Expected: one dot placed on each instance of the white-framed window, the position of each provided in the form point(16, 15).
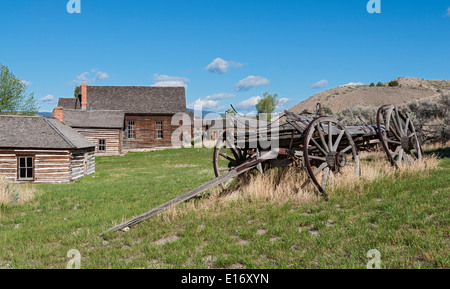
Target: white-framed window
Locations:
point(102, 145)
point(25, 170)
point(159, 130)
point(131, 130)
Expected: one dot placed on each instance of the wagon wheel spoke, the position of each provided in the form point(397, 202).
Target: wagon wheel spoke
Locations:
point(398, 122)
point(233, 149)
point(319, 147)
point(394, 132)
point(330, 136)
point(318, 158)
point(325, 177)
point(388, 117)
point(322, 138)
point(400, 157)
point(407, 126)
point(320, 168)
point(225, 156)
point(396, 152)
point(394, 142)
point(338, 140)
point(346, 149)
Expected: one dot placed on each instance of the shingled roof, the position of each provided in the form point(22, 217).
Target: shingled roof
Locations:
point(94, 119)
point(137, 99)
point(69, 103)
point(132, 99)
point(39, 133)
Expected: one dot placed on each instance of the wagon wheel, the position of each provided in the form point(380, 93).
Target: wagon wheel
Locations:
point(398, 136)
point(327, 147)
point(228, 156)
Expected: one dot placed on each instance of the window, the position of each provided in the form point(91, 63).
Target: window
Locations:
point(159, 130)
point(102, 145)
point(26, 170)
point(130, 130)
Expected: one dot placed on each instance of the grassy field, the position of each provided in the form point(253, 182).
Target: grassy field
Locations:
point(405, 216)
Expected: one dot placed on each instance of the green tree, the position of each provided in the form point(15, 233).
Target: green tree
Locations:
point(76, 92)
point(372, 84)
point(267, 105)
point(380, 84)
point(13, 96)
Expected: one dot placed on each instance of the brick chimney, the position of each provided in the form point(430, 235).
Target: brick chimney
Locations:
point(84, 96)
point(58, 113)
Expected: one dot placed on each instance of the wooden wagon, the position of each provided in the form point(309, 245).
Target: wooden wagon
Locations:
point(320, 144)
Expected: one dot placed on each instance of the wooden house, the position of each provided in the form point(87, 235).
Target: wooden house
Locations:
point(103, 128)
point(146, 112)
point(35, 149)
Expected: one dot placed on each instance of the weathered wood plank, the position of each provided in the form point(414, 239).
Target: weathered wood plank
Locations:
point(189, 195)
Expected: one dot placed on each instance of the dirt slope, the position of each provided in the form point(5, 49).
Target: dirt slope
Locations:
point(410, 90)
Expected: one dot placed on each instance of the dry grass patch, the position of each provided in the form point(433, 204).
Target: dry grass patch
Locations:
point(280, 186)
point(11, 194)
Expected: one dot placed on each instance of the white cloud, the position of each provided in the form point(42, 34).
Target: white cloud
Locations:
point(85, 77)
point(26, 82)
point(49, 99)
point(248, 103)
point(448, 11)
point(320, 84)
point(211, 101)
point(221, 66)
point(250, 82)
point(353, 84)
point(285, 104)
point(169, 81)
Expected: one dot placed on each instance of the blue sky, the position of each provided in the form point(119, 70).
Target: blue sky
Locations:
point(225, 52)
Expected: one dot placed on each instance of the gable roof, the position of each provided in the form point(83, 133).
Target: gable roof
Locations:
point(137, 99)
point(39, 133)
point(94, 118)
point(132, 99)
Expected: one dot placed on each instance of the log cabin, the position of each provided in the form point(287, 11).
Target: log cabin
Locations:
point(102, 127)
point(146, 114)
point(35, 149)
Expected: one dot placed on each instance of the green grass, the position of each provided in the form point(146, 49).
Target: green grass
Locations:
point(406, 219)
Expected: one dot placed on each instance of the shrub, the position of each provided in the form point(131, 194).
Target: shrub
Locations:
point(393, 83)
point(372, 84)
point(380, 84)
point(326, 110)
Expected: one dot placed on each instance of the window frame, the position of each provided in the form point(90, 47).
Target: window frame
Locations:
point(131, 129)
point(159, 130)
point(26, 168)
point(100, 145)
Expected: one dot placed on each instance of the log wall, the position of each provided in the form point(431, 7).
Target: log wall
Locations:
point(50, 166)
point(82, 164)
point(113, 139)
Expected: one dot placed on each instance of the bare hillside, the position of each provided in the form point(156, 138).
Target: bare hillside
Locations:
point(363, 96)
